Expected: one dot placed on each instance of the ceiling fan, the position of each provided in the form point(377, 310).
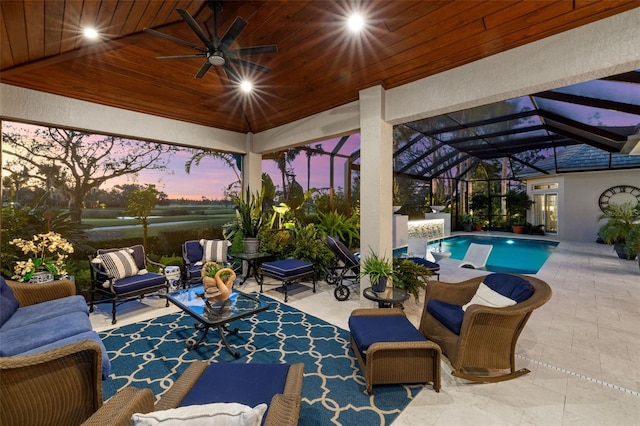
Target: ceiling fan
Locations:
point(216, 50)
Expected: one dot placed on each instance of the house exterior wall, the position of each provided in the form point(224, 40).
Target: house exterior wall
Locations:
point(578, 195)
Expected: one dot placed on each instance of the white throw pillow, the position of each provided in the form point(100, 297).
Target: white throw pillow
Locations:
point(214, 250)
point(119, 264)
point(216, 414)
point(487, 297)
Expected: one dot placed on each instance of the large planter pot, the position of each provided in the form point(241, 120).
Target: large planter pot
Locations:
point(517, 229)
point(477, 227)
point(466, 227)
point(380, 285)
point(251, 245)
point(621, 252)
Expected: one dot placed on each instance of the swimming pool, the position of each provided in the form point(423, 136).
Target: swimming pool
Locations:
point(511, 255)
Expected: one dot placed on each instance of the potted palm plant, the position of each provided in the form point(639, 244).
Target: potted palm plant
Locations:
point(379, 270)
point(250, 218)
point(620, 219)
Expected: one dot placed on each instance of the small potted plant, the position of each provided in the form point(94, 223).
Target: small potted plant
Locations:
point(477, 223)
point(410, 276)
point(620, 221)
point(48, 255)
point(379, 269)
point(467, 221)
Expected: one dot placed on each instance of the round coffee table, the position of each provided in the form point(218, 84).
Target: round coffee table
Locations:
point(388, 298)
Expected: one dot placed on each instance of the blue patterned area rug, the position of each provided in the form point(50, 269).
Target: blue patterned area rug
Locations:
point(152, 354)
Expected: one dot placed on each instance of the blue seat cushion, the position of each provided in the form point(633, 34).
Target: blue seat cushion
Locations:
point(367, 330)
point(424, 262)
point(139, 282)
point(87, 335)
point(515, 288)
point(49, 310)
point(8, 302)
point(249, 384)
point(18, 340)
point(448, 314)
point(287, 268)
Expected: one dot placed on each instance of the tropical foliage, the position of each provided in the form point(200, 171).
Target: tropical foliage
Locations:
point(410, 276)
point(347, 229)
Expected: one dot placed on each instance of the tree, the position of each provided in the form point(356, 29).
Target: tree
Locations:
point(139, 205)
point(74, 162)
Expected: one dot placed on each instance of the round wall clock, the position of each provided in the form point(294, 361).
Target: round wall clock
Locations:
point(619, 195)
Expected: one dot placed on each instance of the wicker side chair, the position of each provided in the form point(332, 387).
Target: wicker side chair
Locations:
point(62, 386)
point(484, 351)
point(284, 408)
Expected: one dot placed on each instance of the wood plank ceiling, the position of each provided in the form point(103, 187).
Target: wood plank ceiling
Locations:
point(319, 65)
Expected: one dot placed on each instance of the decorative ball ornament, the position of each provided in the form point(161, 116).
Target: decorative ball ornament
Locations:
point(619, 194)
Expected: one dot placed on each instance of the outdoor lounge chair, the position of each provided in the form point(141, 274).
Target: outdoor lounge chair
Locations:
point(476, 256)
point(480, 341)
point(346, 273)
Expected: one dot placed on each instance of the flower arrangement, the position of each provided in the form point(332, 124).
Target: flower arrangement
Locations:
point(49, 252)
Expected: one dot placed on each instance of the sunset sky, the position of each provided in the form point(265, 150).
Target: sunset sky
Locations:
point(212, 176)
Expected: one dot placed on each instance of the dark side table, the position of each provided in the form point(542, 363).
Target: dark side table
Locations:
point(254, 260)
point(388, 298)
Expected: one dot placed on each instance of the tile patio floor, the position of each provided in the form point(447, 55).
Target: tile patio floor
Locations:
point(582, 347)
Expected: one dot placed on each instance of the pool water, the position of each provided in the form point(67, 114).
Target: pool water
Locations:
point(510, 255)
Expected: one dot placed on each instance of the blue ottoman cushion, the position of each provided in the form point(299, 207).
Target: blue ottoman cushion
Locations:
point(249, 384)
point(287, 268)
point(448, 314)
point(367, 330)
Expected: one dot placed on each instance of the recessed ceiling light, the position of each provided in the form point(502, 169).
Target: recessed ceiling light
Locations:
point(246, 86)
point(355, 23)
point(90, 33)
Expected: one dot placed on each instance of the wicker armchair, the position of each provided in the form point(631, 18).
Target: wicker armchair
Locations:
point(62, 386)
point(485, 348)
point(284, 408)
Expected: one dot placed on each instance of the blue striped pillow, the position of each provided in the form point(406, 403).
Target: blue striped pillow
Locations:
point(119, 264)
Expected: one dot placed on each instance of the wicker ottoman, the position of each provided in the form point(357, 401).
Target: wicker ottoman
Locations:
point(391, 350)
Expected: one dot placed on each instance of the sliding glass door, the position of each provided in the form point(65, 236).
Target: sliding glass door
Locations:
point(545, 211)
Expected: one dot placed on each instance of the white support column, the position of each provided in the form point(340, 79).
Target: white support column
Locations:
point(251, 168)
point(376, 177)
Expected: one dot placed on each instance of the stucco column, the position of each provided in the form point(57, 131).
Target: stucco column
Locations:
point(251, 168)
point(376, 178)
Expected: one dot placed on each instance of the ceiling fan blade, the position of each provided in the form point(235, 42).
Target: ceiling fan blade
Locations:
point(196, 28)
point(231, 73)
point(197, 55)
point(255, 50)
point(174, 39)
point(232, 33)
point(203, 69)
point(249, 64)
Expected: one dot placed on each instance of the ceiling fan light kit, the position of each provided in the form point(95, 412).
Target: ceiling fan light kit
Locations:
point(217, 51)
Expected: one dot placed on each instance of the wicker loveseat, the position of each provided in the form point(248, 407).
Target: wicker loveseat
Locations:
point(482, 346)
point(283, 408)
